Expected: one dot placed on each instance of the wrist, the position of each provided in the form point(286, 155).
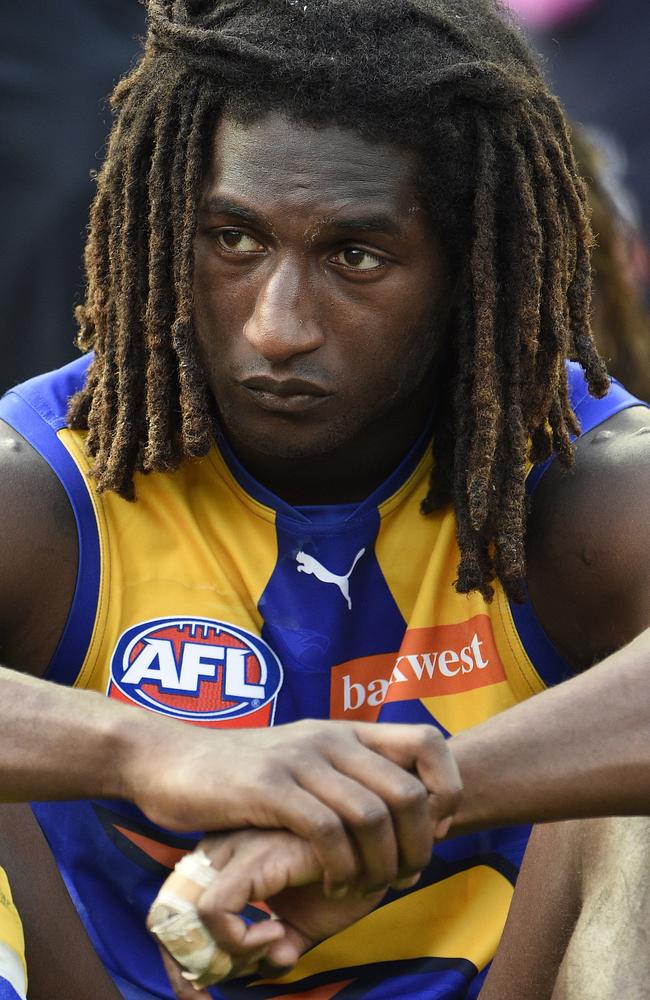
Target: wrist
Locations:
point(476, 809)
point(133, 736)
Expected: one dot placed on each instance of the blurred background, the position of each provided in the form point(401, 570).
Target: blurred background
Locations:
point(596, 58)
point(58, 62)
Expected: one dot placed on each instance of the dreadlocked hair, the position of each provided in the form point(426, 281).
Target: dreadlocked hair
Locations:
point(451, 79)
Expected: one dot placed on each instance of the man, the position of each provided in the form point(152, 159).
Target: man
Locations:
point(325, 232)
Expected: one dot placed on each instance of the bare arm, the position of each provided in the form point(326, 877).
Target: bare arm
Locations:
point(60, 743)
point(583, 748)
point(56, 945)
point(543, 914)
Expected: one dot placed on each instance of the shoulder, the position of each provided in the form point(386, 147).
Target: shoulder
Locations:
point(38, 537)
point(589, 540)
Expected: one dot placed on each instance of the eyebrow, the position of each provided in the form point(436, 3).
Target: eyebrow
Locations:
point(221, 206)
point(377, 223)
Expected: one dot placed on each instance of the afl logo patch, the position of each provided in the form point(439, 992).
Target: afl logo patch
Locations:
point(199, 670)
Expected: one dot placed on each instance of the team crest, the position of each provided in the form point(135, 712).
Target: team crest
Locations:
point(199, 670)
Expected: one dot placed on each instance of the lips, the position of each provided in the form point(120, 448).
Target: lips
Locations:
point(285, 395)
point(284, 387)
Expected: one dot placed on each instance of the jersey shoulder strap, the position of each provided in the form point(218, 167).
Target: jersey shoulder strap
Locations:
point(589, 410)
point(37, 410)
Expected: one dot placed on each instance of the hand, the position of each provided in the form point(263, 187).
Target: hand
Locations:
point(271, 866)
point(368, 798)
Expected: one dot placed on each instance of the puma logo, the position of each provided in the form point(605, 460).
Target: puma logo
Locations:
point(307, 564)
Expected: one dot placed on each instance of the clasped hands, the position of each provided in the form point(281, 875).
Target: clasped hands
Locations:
point(403, 789)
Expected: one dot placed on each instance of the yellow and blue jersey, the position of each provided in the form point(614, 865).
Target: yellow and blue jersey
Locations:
point(212, 601)
point(13, 973)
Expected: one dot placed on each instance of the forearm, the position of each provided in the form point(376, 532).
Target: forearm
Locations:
point(57, 742)
point(581, 749)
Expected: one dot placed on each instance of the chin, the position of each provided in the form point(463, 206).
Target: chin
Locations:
point(289, 439)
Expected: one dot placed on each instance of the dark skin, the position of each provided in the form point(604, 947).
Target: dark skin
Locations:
point(57, 947)
point(588, 571)
point(355, 311)
point(577, 924)
point(309, 245)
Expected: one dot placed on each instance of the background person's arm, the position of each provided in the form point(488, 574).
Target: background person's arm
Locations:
point(542, 917)
point(61, 961)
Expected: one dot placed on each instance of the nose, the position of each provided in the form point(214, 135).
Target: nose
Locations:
point(283, 322)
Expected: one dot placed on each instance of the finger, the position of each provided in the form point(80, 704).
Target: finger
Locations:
point(270, 970)
point(264, 864)
point(219, 847)
point(406, 883)
point(366, 815)
point(239, 939)
point(408, 802)
point(307, 816)
point(285, 953)
point(422, 749)
point(182, 989)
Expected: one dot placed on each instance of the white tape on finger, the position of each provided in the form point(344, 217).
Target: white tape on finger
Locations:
point(196, 867)
point(175, 922)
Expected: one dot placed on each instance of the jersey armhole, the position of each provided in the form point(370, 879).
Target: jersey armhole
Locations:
point(73, 644)
point(591, 412)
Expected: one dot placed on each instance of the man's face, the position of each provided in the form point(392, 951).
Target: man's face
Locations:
point(317, 284)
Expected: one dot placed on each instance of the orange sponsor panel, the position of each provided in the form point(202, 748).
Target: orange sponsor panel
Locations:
point(325, 992)
point(358, 688)
point(444, 659)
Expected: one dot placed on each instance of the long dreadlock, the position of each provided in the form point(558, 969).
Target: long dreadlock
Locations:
point(448, 78)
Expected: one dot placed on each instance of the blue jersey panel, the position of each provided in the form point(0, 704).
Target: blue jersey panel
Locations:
point(334, 622)
point(7, 992)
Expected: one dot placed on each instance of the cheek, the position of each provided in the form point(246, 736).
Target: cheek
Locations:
point(388, 366)
point(402, 337)
point(219, 311)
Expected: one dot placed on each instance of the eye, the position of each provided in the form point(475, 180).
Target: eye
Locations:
point(236, 241)
point(356, 259)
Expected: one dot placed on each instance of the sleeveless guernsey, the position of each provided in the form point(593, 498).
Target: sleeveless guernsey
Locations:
point(13, 977)
point(213, 601)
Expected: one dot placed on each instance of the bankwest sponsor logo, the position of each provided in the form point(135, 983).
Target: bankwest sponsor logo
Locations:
point(445, 659)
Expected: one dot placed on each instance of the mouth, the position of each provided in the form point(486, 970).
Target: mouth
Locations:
point(285, 395)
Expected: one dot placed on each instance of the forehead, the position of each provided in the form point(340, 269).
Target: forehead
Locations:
point(277, 160)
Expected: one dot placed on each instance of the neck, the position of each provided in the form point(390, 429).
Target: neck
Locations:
point(349, 473)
